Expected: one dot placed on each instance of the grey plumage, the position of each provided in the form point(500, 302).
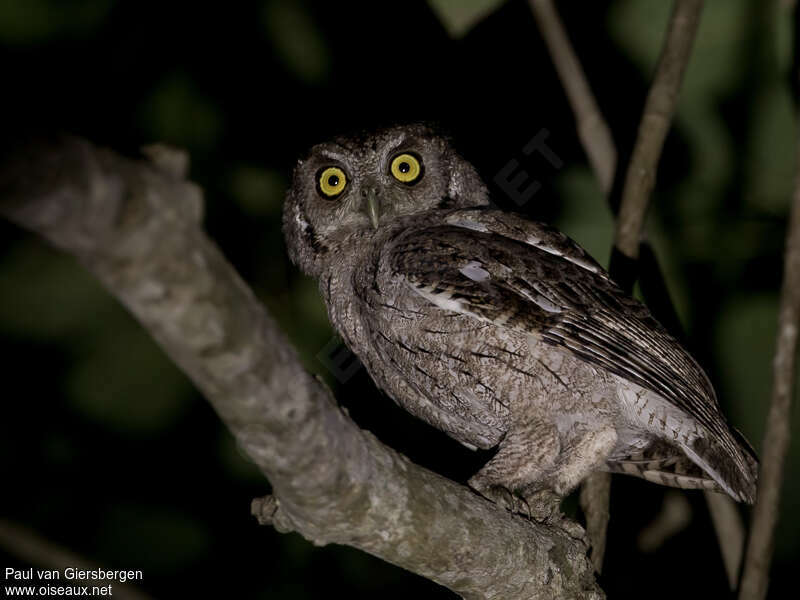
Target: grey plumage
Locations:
point(498, 330)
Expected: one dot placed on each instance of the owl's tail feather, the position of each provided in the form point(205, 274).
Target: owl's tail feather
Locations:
point(665, 465)
point(731, 463)
point(726, 466)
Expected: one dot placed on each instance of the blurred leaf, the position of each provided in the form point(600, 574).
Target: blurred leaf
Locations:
point(459, 16)
point(153, 539)
point(298, 41)
point(745, 343)
point(585, 215)
point(258, 191)
point(126, 382)
point(60, 449)
point(771, 150)
point(745, 338)
point(176, 112)
point(36, 21)
point(672, 269)
point(50, 295)
point(639, 26)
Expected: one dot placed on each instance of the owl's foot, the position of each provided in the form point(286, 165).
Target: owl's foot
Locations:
point(542, 506)
point(502, 497)
point(546, 508)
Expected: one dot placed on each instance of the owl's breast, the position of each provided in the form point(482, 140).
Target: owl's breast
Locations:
point(419, 356)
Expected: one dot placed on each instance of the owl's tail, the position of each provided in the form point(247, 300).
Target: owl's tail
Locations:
point(664, 464)
point(730, 460)
point(704, 464)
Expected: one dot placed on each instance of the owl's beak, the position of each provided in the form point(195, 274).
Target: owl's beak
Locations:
point(373, 206)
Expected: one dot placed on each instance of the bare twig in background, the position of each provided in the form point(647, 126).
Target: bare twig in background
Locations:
point(659, 108)
point(730, 533)
point(593, 130)
point(136, 227)
point(596, 139)
point(31, 548)
point(595, 501)
point(674, 516)
point(755, 577)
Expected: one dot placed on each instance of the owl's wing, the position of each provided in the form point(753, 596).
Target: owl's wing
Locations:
point(525, 276)
point(554, 290)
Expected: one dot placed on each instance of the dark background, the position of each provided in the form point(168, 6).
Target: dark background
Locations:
point(105, 447)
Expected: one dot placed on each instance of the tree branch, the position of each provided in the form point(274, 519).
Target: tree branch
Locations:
point(659, 109)
point(755, 577)
point(136, 227)
point(730, 533)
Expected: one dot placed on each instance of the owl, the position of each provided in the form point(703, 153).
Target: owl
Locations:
point(498, 330)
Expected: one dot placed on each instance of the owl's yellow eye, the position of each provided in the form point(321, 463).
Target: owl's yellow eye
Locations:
point(406, 168)
point(332, 182)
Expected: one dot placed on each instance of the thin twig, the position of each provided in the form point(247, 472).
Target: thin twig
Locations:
point(674, 516)
point(593, 131)
point(659, 109)
point(640, 175)
point(598, 143)
point(660, 106)
point(730, 533)
point(595, 501)
point(755, 576)
point(33, 549)
point(136, 227)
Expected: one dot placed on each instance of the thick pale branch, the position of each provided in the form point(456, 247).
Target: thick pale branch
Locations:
point(659, 109)
point(593, 130)
point(136, 227)
point(755, 577)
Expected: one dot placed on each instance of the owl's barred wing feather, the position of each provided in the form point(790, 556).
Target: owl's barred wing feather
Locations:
point(518, 274)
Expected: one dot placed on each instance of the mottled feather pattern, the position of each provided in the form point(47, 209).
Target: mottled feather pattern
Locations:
point(586, 313)
point(501, 331)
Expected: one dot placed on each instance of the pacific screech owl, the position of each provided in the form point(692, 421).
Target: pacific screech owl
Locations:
point(498, 330)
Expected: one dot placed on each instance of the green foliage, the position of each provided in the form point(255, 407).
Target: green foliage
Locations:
point(459, 16)
point(157, 540)
point(33, 21)
point(297, 41)
point(258, 191)
point(584, 214)
point(124, 382)
point(178, 113)
point(745, 345)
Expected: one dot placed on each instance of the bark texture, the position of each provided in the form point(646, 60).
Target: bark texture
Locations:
point(136, 226)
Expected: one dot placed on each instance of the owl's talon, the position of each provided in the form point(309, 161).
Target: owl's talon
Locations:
point(547, 506)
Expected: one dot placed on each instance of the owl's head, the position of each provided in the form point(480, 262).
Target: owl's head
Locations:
point(356, 186)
